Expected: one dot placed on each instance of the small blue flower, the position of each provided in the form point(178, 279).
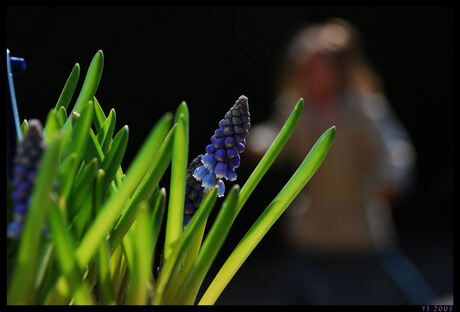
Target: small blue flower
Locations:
point(221, 158)
point(220, 188)
point(200, 172)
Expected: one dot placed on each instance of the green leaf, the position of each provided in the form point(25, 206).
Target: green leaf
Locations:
point(269, 216)
point(144, 191)
point(66, 258)
point(171, 265)
point(99, 114)
point(158, 210)
point(82, 188)
point(104, 283)
point(69, 88)
point(270, 156)
point(92, 79)
point(65, 174)
point(51, 126)
point(104, 137)
point(61, 114)
point(80, 133)
point(94, 149)
point(113, 158)
point(142, 238)
point(175, 215)
point(208, 252)
point(24, 127)
point(112, 207)
point(21, 288)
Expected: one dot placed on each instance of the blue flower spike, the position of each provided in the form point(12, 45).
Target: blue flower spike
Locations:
point(221, 158)
point(26, 164)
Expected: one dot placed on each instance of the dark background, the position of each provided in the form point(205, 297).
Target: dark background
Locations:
point(155, 57)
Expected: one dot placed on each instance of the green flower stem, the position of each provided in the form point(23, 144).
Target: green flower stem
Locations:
point(269, 216)
point(175, 213)
point(21, 290)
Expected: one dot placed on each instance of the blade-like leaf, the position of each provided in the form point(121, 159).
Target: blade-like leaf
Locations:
point(24, 127)
point(69, 88)
point(99, 115)
point(66, 258)
point(26, 264)
point(270, 155)
point(137, 291)
point(208, 252)
point(181, 246)
point(175, 213)
point(61, 114)
point(269, 216)
point(51, 126)
point(104, 137)
point(113, 158)
point(144, 191)
point(112, 208)
point(92, 79)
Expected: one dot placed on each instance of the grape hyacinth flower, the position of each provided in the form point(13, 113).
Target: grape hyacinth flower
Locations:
point(26, 163)
point(221, 158)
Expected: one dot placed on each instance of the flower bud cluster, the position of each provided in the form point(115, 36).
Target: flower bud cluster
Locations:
point(221, 159)
point(26, 162)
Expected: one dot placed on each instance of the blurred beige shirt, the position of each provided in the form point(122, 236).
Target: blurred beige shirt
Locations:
point(339, 210)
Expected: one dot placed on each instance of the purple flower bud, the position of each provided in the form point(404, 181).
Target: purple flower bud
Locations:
point(238, 138)
point(220, 170)
point(14, 229)
point(209, 181)
point(230, 174)
point(188, 210)
point(187, 219)
point(209, 161)
point(234, 162)
point(196, 203)
point(210, 148)
point(200, 172)
point(238, 129)
point(229, 142)
point(21, 209)
point(240, 147)
point(220, 188)
point(232, 152)
point(228, 131)
point(219, 143)
point(221, 155)
point(26, 162)
point(219, 133)
point(192, 195)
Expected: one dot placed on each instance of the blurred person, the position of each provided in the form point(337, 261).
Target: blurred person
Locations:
point(340, 227)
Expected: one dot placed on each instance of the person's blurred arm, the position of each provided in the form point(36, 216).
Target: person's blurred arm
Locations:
point(398, 166)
